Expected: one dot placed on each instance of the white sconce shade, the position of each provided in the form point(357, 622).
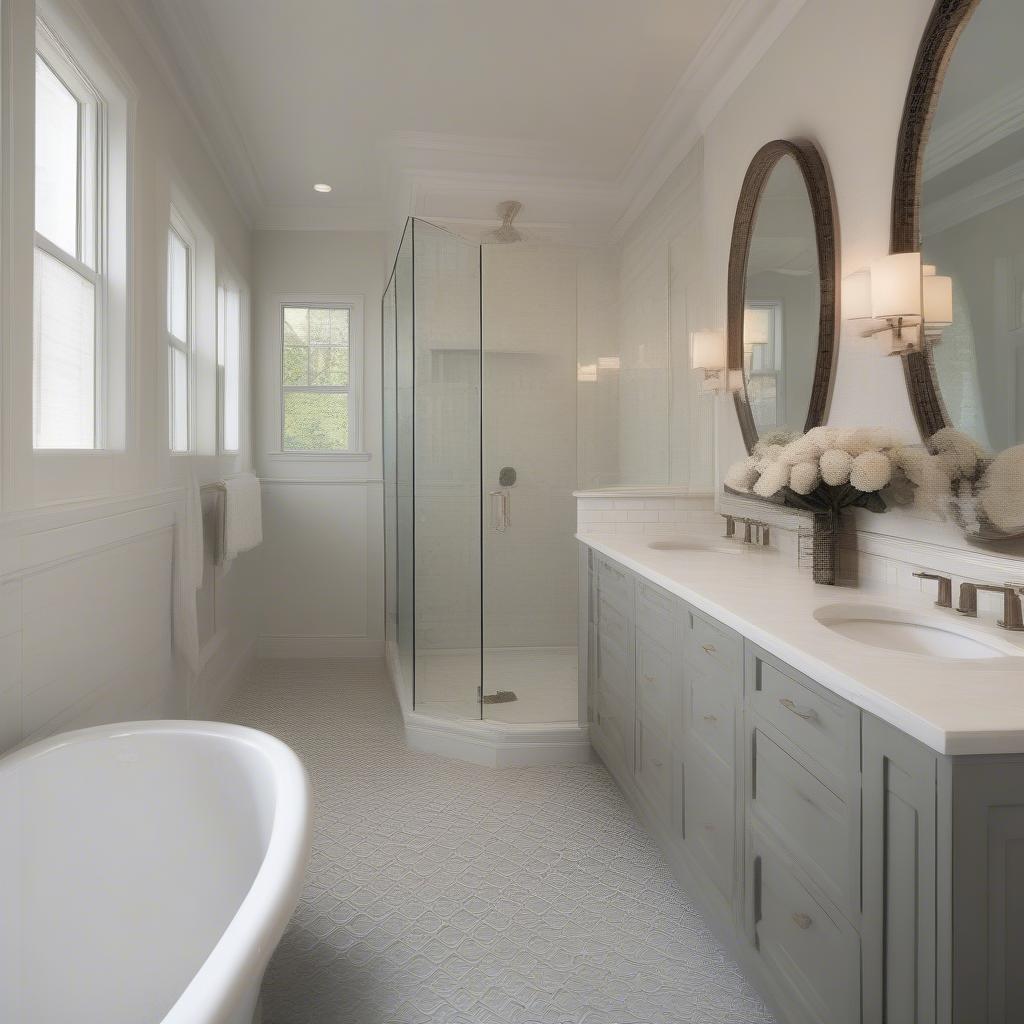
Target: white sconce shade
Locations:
point(609, 362)
point(754, 332)
point(586, 373)
point(708, 350)
point(857, 296)
point(896, 287)
point(937, 298)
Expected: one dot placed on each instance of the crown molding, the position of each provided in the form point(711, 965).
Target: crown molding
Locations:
point(192, 61)
point(979, 197)
point(974, 130)
point(747, 30)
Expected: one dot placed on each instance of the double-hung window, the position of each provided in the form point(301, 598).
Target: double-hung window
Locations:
point(317, 399)
point(229, 365)
point(180, 332)
point(68, 296)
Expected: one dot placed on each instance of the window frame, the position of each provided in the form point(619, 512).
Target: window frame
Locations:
point(89, 261)
point(177, 225)
point(354, 303)
point(227, 282)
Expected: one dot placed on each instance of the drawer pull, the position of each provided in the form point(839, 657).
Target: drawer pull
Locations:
point(657, 763)
point(708, 648)
point(709, 826)
point(711, 719)
point(807, 714)
point(649, 679)
point(802, 921)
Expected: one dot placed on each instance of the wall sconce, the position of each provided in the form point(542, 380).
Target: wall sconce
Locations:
point(903, 297)
point(896, 297)
point(709, 353)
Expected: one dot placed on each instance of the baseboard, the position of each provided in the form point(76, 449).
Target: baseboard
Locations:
point(319, 647)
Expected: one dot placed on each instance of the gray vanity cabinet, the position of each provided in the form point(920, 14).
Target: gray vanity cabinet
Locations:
point(861, 877)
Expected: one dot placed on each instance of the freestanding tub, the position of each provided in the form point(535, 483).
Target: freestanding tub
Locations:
point(147, 871)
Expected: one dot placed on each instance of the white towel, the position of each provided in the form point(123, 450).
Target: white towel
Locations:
point(243, 517)
point(188, 575)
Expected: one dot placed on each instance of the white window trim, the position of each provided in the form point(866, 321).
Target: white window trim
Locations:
point(227, 279)
point(355, 451)
point(181, 227)
point(66, 44)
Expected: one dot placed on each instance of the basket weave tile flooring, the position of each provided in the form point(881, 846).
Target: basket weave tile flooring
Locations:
point(447, 893)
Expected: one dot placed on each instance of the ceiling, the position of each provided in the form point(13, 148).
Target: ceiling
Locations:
point(443, 107)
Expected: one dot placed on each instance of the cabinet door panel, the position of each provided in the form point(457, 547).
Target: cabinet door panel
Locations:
point(899, 864)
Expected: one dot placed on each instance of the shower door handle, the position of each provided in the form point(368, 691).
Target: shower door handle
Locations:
point(499, 510)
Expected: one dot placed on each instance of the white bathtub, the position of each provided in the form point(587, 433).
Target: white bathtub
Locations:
point(147, 871)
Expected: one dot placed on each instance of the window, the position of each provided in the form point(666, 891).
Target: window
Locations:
point(762, 358)
point(317, 399)
point(180, 331)
point(67, 286)
point(229, 365)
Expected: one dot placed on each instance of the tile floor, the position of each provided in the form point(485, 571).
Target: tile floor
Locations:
point(447, 893)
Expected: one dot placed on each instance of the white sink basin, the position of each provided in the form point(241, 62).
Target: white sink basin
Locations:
point(694, 545)
point(896, 629)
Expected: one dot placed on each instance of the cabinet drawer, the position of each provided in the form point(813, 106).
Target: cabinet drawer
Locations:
point(615, 585)
point(659, 685)
point(709, 823)
point(713, 647)
point(710, 717)
point(658, 613)
point(613, 721)
point(807, 818)
point(810, 949)
point(654, 766)
point(822, 724)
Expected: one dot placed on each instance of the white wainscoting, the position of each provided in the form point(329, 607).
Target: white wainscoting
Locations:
point(321, 569)
point(86, 620)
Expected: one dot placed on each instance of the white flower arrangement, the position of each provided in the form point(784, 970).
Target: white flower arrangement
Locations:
point(825, 469)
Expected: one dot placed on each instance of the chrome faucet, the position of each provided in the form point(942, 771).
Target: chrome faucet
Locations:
point(1012, 618)
point(945, 598)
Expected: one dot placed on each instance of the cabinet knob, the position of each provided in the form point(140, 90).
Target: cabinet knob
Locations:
point(802, 921)
point(657, 763)
point(710, 719)
point(708, 648)
point(649, 679)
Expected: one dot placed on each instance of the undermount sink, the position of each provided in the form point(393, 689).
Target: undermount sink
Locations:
point(897, 629)
point(694, 545)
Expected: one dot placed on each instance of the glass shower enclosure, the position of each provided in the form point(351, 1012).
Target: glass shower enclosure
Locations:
point(479, 420)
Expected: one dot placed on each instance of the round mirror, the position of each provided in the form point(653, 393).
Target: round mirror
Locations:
point(959, 199)
point(782, 290)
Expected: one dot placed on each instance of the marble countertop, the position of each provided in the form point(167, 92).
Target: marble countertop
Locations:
point(955, 706)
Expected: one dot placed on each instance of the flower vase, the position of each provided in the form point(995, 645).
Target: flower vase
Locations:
point(826, 547)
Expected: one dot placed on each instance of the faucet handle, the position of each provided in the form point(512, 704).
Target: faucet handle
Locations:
point(945, 598)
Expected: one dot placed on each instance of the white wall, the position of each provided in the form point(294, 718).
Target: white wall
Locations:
point(321, 563)
point(86, 542)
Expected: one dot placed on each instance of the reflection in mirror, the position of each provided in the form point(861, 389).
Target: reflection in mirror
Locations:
point(972, 225)
point(781, 303)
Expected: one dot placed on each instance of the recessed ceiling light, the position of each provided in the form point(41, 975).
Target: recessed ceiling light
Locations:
point(321, 187)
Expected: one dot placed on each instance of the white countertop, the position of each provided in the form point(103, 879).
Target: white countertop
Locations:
point(954, 706)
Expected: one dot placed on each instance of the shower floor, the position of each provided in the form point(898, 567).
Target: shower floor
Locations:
point(544, 679)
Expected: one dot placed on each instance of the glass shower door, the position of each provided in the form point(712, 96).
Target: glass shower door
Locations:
point(530, 471)
point(446, 464)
